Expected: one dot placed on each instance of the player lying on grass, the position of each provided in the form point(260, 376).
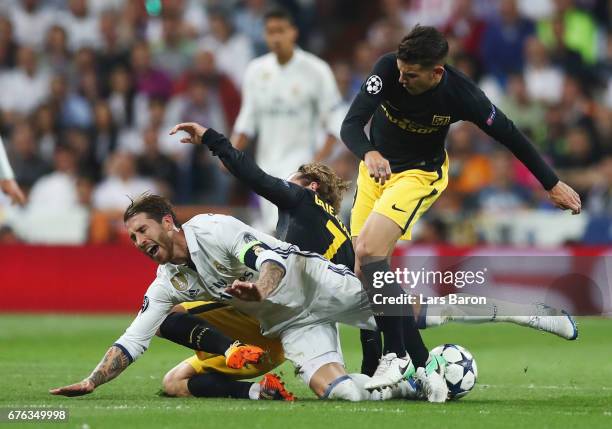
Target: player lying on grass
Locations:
point(296, 296)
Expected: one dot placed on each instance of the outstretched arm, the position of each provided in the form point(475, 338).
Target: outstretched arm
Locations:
point(280, 192)
point(113, 363)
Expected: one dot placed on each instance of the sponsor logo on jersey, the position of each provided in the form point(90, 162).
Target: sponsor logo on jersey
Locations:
point(374, 84)
point(407, 124)
point(180, 282)
point(440, 121)
point(145, 304)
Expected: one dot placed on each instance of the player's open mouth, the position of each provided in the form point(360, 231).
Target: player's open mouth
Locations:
point(152, 250)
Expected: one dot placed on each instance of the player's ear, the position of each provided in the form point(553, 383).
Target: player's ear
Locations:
point(167, 222)
point(313, 186)
point(438, 70)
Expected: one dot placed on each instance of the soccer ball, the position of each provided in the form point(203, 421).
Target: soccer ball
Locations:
point(461, 370)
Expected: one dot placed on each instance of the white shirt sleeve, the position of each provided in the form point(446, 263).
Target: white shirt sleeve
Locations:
point(6, 172)
point(246, 123)
point(155, 307)
point(328, 97)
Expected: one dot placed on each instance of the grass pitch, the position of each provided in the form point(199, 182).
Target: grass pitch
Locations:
point(527, 379)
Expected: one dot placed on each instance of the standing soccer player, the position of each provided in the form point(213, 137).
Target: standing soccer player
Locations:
point(412, 97)
point(287, 97)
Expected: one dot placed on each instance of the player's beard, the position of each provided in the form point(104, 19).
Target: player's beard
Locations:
point(164, 251)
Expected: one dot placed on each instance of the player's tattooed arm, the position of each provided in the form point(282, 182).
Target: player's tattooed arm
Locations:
point(112, 364)
point(271, 274)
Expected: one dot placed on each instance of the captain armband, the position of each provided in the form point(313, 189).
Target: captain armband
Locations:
point(254, 253)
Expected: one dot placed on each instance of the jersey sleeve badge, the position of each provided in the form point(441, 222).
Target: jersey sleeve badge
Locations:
point(374, 84)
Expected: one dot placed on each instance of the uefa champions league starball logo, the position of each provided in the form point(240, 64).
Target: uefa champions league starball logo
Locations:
point(374, 84)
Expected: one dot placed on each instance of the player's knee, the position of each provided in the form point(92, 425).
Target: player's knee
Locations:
point(170, 383)
point(344, 388)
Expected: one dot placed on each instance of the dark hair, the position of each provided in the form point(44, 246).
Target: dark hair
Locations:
point(154, 206)
point(331, 186)
point(424, 46)
point(278, 12)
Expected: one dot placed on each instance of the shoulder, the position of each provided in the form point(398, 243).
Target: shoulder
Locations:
point(160, 288)
point(312, 61)
point(461, 88)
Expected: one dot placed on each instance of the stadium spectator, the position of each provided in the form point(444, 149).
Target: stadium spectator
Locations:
point(121, 181)
point(219, 84)
point(465, 27)
point(502, 195)
point(122, 97)
point(580, 30)
point(113, 51)
point(72, 109)
point(8, 46)
point(173, 53)
point(503, 40)
point(249, 20)
point(24, 88)
point(232, 50)
point(528, 115)
point(45, 124)
point(148, 79)
point(156, 165)
point(56, 56)
point(57, 190)
point(26, 16)
point(82, 27)
point(544, 81)
point(28, 165)
point(104, 136)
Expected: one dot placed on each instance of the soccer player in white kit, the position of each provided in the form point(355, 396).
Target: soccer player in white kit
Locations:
point(8, 185)
point(288, 96)
point(296, 296)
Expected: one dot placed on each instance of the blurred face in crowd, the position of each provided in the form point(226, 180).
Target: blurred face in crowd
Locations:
point(508, 10)
point(281, 36)
point(27, 59)
point(152, 238)
point(417, 79)
point(56, 39)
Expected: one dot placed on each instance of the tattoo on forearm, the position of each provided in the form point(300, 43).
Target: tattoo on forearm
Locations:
point(112, 364)
point(270, 276)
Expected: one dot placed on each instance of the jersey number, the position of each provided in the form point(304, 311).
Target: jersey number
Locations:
point(339, 239)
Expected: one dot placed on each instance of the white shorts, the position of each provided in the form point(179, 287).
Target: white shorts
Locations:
point(311, 347)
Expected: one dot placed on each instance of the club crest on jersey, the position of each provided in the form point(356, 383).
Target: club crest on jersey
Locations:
point(220, 268)
point(180, 282)
point(440, 121)
point(145, 304)
point(374, 84)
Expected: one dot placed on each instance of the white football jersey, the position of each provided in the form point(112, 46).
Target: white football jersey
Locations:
point(312, 291)
point(286, 107)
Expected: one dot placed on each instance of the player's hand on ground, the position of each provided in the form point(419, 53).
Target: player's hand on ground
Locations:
point(12, 189)
point(565, 198)
point(246, 291)
point(195, 132)
point(77, 389)
point(377, 166)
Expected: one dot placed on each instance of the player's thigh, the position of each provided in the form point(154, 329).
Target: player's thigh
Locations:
point(366, 194)
point(311, 347)
point(377, 238)
point(410, 194)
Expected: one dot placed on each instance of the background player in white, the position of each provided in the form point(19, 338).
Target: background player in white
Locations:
point(287, 98)
point(296, 296)
point(8, 185)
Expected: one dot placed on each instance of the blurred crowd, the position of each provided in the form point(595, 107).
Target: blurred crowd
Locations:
point(90, 89)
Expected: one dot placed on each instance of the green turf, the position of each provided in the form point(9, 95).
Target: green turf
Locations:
point(527, 380)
